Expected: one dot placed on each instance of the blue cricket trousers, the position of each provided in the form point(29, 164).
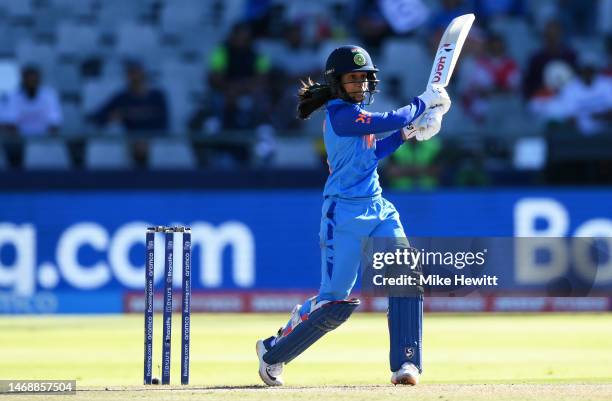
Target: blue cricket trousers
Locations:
point(344, 224)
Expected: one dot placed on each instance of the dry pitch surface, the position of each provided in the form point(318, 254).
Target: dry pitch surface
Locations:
point(468, 357)
point(438, 392)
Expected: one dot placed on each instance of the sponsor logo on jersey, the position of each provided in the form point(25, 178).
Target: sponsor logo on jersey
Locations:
point(363, 118)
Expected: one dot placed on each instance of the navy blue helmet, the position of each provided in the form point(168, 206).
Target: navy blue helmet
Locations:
point(347, 59)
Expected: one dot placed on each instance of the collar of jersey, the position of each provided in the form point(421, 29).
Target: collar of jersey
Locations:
point(340, 101)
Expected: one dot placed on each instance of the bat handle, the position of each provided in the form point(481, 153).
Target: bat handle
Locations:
point(412, 131)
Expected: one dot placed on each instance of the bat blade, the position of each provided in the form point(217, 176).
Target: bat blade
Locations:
point(449, 49)
point(447, 54)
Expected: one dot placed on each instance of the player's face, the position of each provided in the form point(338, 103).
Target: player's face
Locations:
point(355, 84)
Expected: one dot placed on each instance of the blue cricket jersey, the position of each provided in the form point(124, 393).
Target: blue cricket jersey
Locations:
point(352, 149)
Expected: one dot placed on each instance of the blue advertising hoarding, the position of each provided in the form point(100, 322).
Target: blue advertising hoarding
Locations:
point(79, 252)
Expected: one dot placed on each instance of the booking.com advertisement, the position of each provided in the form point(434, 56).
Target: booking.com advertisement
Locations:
point(83, 252)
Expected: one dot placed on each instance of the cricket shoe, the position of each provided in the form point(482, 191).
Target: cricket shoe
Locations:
point(270, 374)
point(407, 374)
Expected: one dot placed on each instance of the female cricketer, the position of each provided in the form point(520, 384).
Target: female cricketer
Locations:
point(354, 209)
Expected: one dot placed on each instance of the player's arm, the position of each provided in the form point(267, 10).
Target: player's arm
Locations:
point(388, 145)
point(424, 127)
point(351, 120)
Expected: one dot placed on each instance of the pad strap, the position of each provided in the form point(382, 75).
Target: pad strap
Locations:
point(322, 320)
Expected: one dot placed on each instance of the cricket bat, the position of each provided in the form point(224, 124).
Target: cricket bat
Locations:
point(448, 52)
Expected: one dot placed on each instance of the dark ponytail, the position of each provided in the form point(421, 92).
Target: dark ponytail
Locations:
point(312, 96)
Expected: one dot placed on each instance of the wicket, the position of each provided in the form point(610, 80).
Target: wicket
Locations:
point(167, 306)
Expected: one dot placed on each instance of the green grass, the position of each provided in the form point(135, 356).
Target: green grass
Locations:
point(107, 352)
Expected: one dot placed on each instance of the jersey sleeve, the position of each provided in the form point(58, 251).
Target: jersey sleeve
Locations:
point(388, 145)
point(351, 120)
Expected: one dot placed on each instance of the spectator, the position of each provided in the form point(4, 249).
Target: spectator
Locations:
point(266, 18)
point(239, 76)
point(470, 171)
point(316, 19)
point(372, 26)
point(33, 109)
point(415, 165)
point(586, 101)
point(137, 107)
point(298, 60)
point(238, 95)
point(340, 21)
point(293, 62)
point(543, 103)
point(492, 73)
point(554, 48)
point(208, 115)
point(210, 118)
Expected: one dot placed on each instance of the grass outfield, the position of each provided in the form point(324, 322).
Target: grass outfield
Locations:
point(471, 357)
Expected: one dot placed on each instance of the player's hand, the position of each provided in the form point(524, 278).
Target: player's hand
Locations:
point(425, 127)
point(436, 96)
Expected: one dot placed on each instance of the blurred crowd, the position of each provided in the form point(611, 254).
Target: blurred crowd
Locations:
point(188, 83)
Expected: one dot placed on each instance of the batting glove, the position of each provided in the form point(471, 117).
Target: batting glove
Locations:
point(425, 127)
point(436, 96)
